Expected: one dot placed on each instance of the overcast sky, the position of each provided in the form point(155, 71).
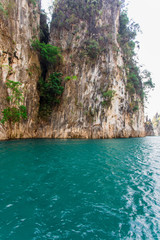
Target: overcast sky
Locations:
point(147, 14)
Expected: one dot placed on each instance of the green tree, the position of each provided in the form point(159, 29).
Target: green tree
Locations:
point(92, 48)
point(146, 75)
point(3, 11)
point(127, 39)
point(16, 111)
point(108, 96)
point(50, 92)
point(48, 53)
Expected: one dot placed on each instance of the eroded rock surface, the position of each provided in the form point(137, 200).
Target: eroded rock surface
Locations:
point(87, 109)
point(84, 111)
point(19, 63)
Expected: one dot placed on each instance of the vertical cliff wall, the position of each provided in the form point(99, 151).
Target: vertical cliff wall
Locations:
point(149, 128)
point(96, 104)
point(156, 124)
point(19, 23)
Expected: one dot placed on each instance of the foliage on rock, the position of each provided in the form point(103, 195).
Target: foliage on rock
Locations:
point(127, 39)
point(156, 120)
point(2, 9)
point(48, 53)
point(108, 96)
point(34, 2)
point(50, 92)
point(16, 111)
point(68, 12)
point(6, 8)
point(92, 48)
point(50, 89)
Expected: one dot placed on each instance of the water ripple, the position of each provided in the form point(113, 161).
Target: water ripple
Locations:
point(80, 189)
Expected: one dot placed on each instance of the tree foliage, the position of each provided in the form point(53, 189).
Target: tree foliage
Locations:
point(127, 39)
point(50, 92)
point(49, 89)
point(3, 10)
point(34, 2)
point(16, 111)
point(92, 48)
point(108, 96)
point(48, 52)
point(68, 12)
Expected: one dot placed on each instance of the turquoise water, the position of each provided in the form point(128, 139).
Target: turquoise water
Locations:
point(80, 189)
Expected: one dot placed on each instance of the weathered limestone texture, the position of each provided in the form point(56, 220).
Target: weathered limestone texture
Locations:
point(156, 124)
point(18, 62)
point(96, 104)
point(84, 111)
point(149, 127)
point(157, 130)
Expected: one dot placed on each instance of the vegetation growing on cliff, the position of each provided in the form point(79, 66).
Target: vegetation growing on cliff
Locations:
point(127, 40)
point(156, 120)
point(34, 2)
point(4, 8)
point(16, 110)
point(108, 96)
point(48, 53)
point(50, 89)
point(92, 48)
point(68, 12)
point(49, 92)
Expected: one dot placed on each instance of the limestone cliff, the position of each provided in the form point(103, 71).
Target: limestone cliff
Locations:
point(95, 104)
point(19, 23)
point(156, 124)
point(149, 128)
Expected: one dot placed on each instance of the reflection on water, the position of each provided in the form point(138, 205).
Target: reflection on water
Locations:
point(80, 189)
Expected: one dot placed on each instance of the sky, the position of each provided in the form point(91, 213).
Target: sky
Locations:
point(146, 14)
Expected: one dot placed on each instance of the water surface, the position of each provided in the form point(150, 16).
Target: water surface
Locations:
point(80, 189)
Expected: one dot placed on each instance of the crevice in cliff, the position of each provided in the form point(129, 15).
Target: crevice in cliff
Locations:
point(44, 38)
point(49, 85)
point(44, 28)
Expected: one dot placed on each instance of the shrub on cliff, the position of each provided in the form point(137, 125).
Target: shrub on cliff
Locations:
point(48, 52)
point(34, 2)
point(16, 111)
point(127, 35)
point(108, 96)
point(51, 89)
point(3, 11)
point(68, 12)
point(50, 92)
point(92, 48)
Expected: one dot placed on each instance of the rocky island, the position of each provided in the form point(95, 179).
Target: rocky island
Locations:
point(78, 80)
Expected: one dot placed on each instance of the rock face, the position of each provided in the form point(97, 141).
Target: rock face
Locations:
point(156, 124)
point(149, 129)
point(96, 103)
point(18, 62)
point(157, 130)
